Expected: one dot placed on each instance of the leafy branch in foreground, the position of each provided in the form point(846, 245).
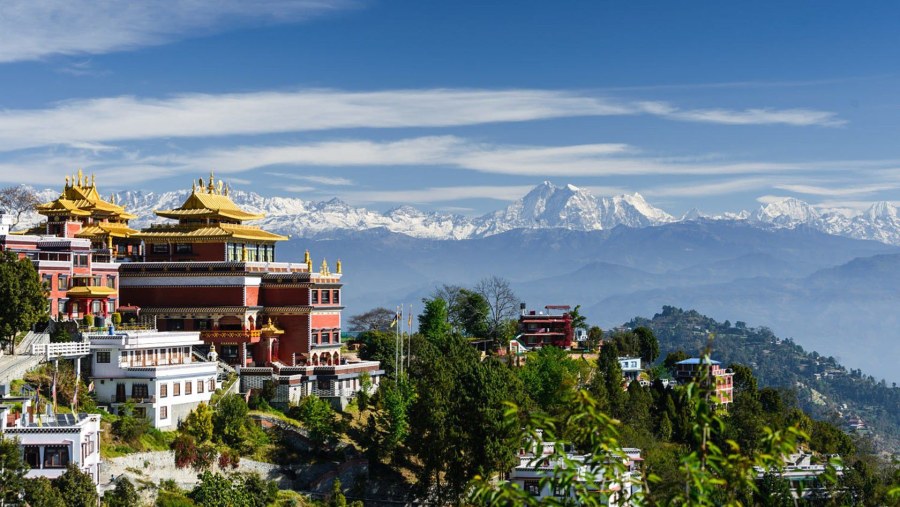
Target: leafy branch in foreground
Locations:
point(714, 470)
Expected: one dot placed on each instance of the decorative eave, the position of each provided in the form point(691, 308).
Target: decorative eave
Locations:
point(91, 291)
point(201, 233)
point(209, 201)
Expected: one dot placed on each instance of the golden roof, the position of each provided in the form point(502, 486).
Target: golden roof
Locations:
point(102, 229)
point(90, 290)
point(81, 198)
point(211, 201)
point(201, 232)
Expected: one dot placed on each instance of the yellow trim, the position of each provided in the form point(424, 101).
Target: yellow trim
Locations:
point(90, 290)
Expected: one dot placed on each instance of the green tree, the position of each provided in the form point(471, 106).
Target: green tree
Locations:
point(379, 346)
point(673, 358)
point(39, 492)
point(503, 302)
point(550, 377)
point(433, 322)
point(648, 345)
point(128, 427)
point(24, 303)
point(317, 417)
point(12, 470)
point(123, 495)
point(470, 310)
point(579, 321)
point(394, 398)
point(230, 419)
point(364, 395)
point(217, 490)
point(376, 319)
point(199, 423)
point(78, 488)
point(595, 336)
point(607, 382)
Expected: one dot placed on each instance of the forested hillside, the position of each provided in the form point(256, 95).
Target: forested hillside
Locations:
point(823, 387)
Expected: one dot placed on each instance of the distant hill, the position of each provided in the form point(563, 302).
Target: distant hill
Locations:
point(848, 311)
point(727, 269)
point(824, 387)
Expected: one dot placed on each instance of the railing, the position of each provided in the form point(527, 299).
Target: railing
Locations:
point(252, 335)
point(124, 399)
point(55, 350)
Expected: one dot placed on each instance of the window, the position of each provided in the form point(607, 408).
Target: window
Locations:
point(140, 391)
point(160, 248)
point(533, 487)
point(61, 306)
point(163, 412)
point(111, 281)
point(47, 281)
point(337, 297)
point(212, 385)
point(33, 456)
point(163, 391)
point(326, 297)
point(63, 282)
point(80, 261)
point(102, 356)
point(96, 307)
point(56, 456)
point(187, 387)
point(176, 389)
point(184, 248)
point(315, 297)
point(199, 386)
point(315, 338)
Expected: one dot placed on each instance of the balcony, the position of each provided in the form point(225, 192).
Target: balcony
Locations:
point(231, 336)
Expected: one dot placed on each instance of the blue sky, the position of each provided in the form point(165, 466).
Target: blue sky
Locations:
point(458, 106)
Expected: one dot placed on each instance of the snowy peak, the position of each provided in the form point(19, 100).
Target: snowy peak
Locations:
point(545, 206)
point(787, 212)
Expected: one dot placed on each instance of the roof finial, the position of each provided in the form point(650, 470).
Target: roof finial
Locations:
point(201, 184)
point(227, 190)
point(324, 269)
point(93, 180)
point(67, 182)
point(220, 187)
point(80, 178)
point(212, 185)
point(193, 187)
point(338, 266)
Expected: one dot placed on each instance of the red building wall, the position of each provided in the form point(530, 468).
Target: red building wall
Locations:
point(325, 321)
point(295, 339)
point(251, 294)
point(273, 295)
point(199, 252)
point(182, 296)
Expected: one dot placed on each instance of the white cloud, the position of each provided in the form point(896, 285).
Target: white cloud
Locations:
point(839, 190)
point(704, 189)
point(331, 181)
point(437, 194)
point(770, 199)
point(36, 29)
point(203, 115)
point(590, 160)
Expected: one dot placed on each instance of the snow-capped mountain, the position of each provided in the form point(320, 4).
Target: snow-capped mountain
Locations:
point(544, 207)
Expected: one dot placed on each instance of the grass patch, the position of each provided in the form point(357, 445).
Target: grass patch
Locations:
point(277, 415)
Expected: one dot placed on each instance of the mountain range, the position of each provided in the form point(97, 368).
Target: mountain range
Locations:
point(547, 206)
point(823, 277)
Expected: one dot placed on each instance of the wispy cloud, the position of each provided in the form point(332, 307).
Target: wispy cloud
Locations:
point(590, 160)
point(36, 29)
point(839, 189)
point(331, 181)
point(438, 194)
point(708, 189)
point(203, 115)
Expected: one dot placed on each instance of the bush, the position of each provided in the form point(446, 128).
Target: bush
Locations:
point(88, 320)
point(116, 319)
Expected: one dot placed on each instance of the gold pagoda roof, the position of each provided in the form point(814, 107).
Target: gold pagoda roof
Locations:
point(211, 201)
point(104, 229)
point(204, 232)
point(81, 198)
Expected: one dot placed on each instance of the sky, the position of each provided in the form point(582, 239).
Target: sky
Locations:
point(458, 106)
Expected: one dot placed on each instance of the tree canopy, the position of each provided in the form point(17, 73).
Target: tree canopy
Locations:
point(24, 303)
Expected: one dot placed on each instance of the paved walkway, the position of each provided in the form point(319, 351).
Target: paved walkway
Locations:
point(13, 367)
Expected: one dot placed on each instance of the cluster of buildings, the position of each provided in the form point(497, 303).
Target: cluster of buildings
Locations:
point(207, 288)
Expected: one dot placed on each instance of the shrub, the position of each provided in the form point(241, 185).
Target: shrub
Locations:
point(88, 320)
point(117, 319)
